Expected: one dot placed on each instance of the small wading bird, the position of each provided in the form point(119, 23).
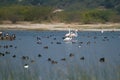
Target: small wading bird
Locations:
point(102, 31)
point(0, 33)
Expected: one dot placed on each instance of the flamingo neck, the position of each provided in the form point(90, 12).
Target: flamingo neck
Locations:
point(69, 31)
point(76, 33)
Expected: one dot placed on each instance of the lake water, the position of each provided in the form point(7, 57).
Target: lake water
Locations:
point(94, 56)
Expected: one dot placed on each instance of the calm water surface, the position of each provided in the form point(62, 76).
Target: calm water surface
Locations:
point(50, 58)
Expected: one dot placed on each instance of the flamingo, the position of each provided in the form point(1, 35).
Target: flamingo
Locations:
point(74, 34)
point(71, 34)
point(68, 39)
point(68, 34)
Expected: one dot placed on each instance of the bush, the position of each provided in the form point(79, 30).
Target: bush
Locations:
point(45, 14)
point(24, 13)
point(96, 16)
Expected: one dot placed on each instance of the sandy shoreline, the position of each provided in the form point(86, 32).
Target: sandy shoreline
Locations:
point(61, 26)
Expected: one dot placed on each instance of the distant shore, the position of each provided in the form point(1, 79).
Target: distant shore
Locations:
point(61, 26)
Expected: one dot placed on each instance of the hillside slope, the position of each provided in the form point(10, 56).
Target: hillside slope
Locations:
point(66, 4)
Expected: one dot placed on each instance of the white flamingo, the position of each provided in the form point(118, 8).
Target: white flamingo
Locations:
point(68, 34)
point(68, 39)
point(74, 34)
point(71, 34)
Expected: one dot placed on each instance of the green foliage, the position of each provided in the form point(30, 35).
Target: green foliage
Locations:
point(24, 13)
point(73, 16)
point(65, 4)
point(96, 16)
point(58, 17)
point(16, 13)
point(87, 16)
point(67, 16)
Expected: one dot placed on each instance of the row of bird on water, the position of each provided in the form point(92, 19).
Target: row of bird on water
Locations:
point(68, 37)
point(7, 36)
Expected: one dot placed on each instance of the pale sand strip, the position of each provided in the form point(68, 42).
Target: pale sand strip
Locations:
point(62, 26)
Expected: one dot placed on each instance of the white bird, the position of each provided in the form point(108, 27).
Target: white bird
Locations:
point(71, 34)
point(68, 34)
point(102, 31)
point(26, 66)
point(79, 46)
point(0, 32)
point(68, 39)
point(74, 34)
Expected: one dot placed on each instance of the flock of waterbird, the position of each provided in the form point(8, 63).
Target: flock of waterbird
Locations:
point(68, 37)
point(7, 36)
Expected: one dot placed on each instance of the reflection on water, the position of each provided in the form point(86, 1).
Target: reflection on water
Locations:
point(43, 55)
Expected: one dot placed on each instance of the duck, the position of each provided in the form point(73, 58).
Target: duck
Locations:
point(102, 59)
point(26, 66)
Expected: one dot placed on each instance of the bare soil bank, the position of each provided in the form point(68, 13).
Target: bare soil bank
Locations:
point(60, 26)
